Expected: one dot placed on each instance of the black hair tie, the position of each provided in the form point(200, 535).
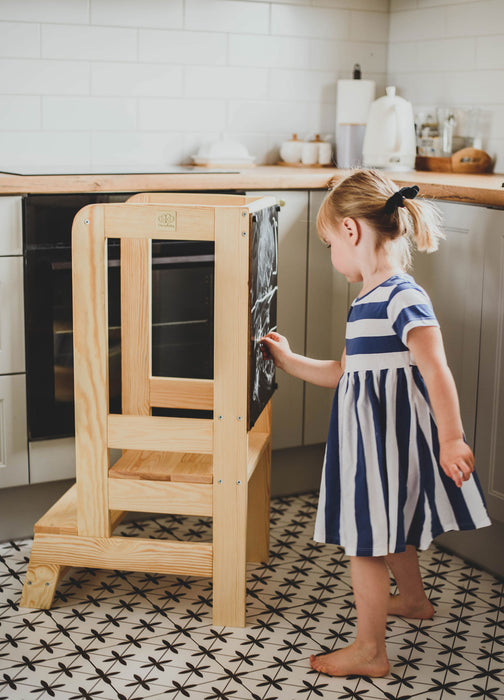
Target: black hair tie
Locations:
point(397, 199)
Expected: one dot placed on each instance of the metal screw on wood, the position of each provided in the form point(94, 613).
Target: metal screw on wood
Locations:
point(86, 221)
point(244, 213)
point(239, 418)
point(244, 233)
point(238, 482)
point(220, 418)
point(219, 481)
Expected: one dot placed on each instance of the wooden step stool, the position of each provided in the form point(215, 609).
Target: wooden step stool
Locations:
point(217, 467)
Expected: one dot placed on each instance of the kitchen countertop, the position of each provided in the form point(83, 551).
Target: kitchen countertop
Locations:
point(486, 189)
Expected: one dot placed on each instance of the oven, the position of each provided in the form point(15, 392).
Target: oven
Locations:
point(182, 317)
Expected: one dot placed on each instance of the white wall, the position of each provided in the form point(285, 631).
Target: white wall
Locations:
point(451, 53)
point(90, 83)
point(103, 82)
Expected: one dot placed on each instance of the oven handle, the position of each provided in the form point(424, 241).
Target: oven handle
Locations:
point(156, 262)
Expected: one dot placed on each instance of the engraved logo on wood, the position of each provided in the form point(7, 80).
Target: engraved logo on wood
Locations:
point(167, 221)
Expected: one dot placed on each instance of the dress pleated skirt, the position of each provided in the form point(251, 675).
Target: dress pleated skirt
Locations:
point(382, 485)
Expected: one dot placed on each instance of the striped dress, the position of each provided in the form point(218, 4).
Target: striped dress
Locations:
point(382, 486)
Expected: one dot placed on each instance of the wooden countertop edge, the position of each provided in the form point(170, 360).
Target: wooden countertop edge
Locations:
point(476, 189)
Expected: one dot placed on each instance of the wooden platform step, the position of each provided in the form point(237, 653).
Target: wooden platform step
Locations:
point(61, 518)
point(163, 466)
point(178, 466)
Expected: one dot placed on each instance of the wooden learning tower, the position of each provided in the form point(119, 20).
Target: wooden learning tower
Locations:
point(218, 467)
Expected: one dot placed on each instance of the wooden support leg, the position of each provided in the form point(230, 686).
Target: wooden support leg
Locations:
point(259, 510)
point(40, 582)
point(229, 556)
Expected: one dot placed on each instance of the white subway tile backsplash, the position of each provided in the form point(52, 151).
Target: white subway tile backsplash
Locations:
point(420, 88)
point(418, 25)
point(227, 16)
point(136, 149)
point(310, 22)
point(268, 51)
point(41, 77)
point(112, 81)
point(475, 87)
point(58, 11)
point(93, 113)
point(226, 82)
point(183, 48)
point(89, 43)
point(136, 79)
point(404, 56)
point(373, 5)
point(20, 113)
point(308, 86)
point(485, 17)
point(132, 13)
point(22, 151)
point(369, 26)
point(268, 116)
point(490, 52)
point(453, 54)
point(181, 115)
point(19, 40)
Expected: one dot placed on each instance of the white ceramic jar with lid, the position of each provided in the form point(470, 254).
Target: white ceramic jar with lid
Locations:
point(290, 151)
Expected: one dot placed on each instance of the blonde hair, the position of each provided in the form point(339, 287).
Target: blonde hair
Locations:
point(364, 195)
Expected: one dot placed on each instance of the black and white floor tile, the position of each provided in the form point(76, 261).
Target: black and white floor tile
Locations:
point(124, 636)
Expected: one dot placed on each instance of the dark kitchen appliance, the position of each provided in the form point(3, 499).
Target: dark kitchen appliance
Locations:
point(182, 311)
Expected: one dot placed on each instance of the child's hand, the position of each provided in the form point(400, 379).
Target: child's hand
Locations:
point(275, 347)
point(457, 460)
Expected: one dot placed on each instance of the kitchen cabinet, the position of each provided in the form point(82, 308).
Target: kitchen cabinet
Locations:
point(484, 547)
point(453, 278)
point(288, 401)
point(14, 469)
point(490, 405)
point(326, 312)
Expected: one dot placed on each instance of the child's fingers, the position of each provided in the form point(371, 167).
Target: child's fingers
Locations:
point(460, 472)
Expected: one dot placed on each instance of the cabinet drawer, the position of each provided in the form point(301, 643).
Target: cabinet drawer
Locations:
point(12, 349)
point(11, 229)
point(13, 439)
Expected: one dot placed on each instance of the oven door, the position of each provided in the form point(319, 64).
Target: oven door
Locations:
point(182, 327)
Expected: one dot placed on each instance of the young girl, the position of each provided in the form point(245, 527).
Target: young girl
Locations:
point(397, 470)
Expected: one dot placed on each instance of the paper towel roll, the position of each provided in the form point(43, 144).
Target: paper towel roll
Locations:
point(354, 99)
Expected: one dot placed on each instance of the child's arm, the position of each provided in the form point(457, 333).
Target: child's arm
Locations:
point(426, 346)
point(321, 372)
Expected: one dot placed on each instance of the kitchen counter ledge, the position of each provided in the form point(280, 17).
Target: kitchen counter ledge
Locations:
point(484, 189)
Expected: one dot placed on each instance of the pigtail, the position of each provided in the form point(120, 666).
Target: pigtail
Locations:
point(424, 224)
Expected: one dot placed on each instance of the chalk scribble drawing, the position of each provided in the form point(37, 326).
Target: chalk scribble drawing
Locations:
point(263, 306)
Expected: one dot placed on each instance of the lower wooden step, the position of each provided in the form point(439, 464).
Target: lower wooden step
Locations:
point(61, 518)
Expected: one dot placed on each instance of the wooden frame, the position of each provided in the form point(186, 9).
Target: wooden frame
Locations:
point(212, 467)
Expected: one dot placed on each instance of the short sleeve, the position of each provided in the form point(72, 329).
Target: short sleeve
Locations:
point(408, 308)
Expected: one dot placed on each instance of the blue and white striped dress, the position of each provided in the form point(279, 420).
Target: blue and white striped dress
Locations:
point(382, 486)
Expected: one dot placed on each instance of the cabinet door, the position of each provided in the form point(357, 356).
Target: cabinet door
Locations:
point(490, 422)
point(326, 311)
point(12, 348)
point(13, 437)
point(287, 425)
point(453, 278)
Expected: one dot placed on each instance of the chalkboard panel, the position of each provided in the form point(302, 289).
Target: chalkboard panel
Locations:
point(263, 307)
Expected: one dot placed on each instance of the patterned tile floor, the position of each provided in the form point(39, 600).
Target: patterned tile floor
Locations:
point(123, 636)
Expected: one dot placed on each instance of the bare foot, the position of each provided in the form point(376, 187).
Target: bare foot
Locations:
point(419, 611)
point(351, 661)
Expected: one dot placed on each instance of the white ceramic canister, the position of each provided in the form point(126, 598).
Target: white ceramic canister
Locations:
point(290, 151)
point(310, 153)
point(325, 153)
